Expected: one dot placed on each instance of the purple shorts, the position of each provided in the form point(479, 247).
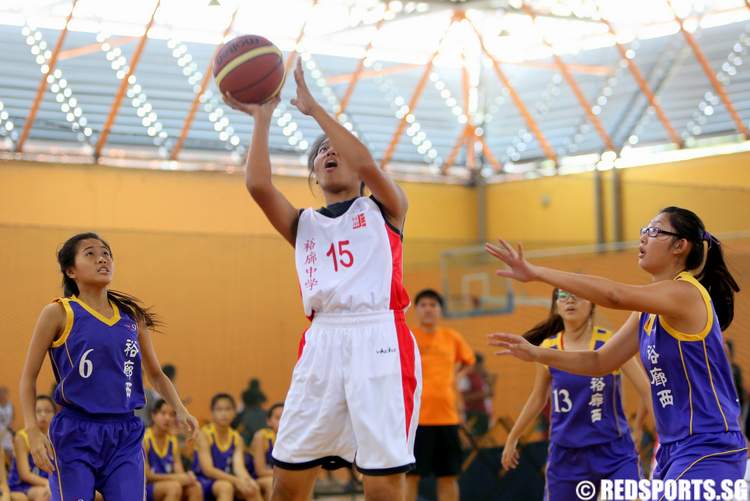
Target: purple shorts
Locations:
point(566, 466)
point(716, 456)
point(97, 453)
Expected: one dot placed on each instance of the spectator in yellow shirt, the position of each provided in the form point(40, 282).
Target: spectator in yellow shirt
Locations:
point(444, 352)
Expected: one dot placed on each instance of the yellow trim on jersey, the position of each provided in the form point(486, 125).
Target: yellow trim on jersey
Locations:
point(701, 459)
point(57, 468)
point(551, 342)
point(699, 336)
point(597, 334)
point(108, 321)
point(25, 436)
point(149, 437)
point(690, 386)
point(213, 434)
point(713, 388)
point(57, 371)
point(69, 318)
point(242, 58)
point(649, 325)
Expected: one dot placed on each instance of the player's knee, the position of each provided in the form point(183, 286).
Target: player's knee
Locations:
point(173, 489)
point(194, 491)
point(384, 488)
point(287, 489)
point(222, 487)
point(39, 494)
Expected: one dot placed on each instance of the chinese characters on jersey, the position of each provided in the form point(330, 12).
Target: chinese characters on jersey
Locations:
point(597, 398)
point(131, 351)
point(311, 261)
point(658, 378)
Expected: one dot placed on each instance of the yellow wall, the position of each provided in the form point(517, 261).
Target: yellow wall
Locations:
point(195, 246)
point(556, 210)
point(716, 188)
point(559, 211)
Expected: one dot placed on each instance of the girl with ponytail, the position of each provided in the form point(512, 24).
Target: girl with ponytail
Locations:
point(97, 340)
point(589, 434)
point(676, 326)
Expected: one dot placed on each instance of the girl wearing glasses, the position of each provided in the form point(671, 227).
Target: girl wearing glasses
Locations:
point(676, 326)
point(589, 434)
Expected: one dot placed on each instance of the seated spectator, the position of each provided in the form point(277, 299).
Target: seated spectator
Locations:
point(4, 489)
point(6, 421)
point(260, 462)
point(165, 476)
point(219, 462)
point(26, 480)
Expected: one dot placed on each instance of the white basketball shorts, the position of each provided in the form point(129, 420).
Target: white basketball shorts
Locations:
point(354, 396)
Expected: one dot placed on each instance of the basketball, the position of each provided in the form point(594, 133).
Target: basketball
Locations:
point(250, 68)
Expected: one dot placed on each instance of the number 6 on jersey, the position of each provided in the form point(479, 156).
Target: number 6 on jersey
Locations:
point(86, 366)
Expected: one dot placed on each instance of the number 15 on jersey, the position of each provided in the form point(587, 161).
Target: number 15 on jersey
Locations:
point(340, 255)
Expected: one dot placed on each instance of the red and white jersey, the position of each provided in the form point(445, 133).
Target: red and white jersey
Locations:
point(351, 263)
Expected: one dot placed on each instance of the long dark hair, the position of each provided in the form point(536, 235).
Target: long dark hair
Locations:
point(706, 261)
point(550, 325)
point(312, 153)
point(66, 258)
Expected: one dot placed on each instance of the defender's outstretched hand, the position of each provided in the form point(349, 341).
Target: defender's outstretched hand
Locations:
point(514, 345)
point(518, 268)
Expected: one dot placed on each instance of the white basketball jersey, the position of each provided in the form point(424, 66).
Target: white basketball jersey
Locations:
point(351, 263)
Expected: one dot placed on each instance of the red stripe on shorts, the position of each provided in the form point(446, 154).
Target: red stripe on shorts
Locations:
point(408, 377)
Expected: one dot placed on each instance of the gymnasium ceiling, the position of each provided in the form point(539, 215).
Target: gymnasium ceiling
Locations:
point(445, 90)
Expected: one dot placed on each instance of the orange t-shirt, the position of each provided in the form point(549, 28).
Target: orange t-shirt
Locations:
point(440, 351)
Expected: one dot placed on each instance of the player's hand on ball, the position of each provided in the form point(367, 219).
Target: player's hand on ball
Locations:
point(188, 422)
point(510, 454)
point(514, 345)
point(41, 450)
point(262, 111)
point(518, 268)
point(305, 102)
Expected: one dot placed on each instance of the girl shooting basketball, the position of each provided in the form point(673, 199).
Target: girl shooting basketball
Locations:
point(355, 388)
point(677, 328)
point(97, 340)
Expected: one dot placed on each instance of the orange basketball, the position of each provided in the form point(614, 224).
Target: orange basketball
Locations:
point(250, 68)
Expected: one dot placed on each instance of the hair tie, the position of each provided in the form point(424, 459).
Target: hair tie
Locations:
point(708, 237)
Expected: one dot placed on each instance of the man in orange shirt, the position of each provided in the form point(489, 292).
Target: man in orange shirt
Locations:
point(437, 448)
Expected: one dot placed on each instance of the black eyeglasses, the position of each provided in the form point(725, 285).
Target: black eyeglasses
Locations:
point(653, 231)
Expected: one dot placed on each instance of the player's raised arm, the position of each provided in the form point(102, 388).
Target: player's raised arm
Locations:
point(258, 180)
point(353, 153)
